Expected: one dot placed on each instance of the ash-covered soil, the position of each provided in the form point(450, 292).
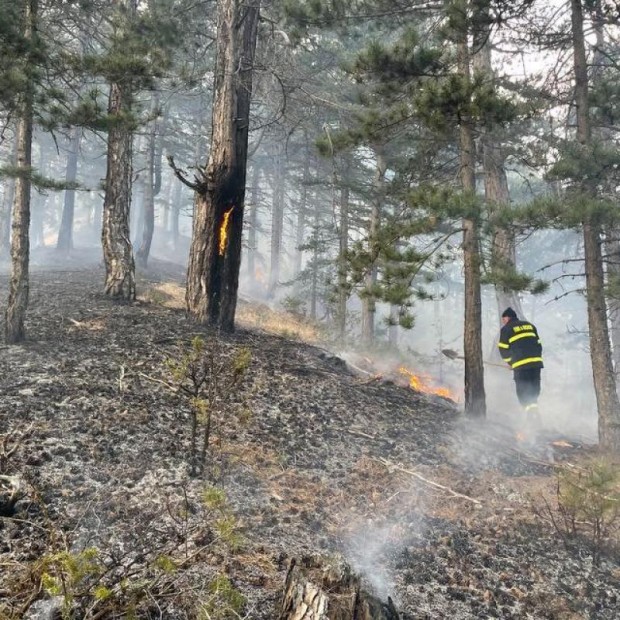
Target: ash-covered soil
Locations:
point(446, 517)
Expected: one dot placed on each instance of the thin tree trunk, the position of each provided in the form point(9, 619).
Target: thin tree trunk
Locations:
point(7, 206)
point(369, 304)
point(600, 349)
point(65, 233)
point(475, 398)
point(277, 221)
point(19, 284)
point(148, 205)
point(314, 281)
point(343, 242)
point(215, 255)
point(301, 215)
point(497, 195)
point(253, 224)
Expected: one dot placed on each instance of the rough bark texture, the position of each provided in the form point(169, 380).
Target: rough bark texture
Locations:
point(19, 283)
point(475, 399)
point(117, 250)
point(213, 274)
point(65, 233)
point(316, 591)
point(368, 301)
point(600, 349)
point(150, 190)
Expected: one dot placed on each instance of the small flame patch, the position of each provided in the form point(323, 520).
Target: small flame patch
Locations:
point(422, 383)
point(224, 231)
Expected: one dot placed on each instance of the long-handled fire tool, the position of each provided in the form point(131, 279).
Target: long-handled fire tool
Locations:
point(453, 355)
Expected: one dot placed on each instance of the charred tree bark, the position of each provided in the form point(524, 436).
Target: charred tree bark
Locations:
point(19, 283)
point(215, 255)
point(600, 350)
point(65, 233)
point(475, 398)
point(316, 592)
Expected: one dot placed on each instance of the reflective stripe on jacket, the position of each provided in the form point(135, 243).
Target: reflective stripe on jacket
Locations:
point(519, 345)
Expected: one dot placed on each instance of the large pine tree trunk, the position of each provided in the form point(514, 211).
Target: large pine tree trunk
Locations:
point(19, 284)
point(116, 242)
point(369, 304)
point(600, 349)
point(65, 233)
point(117, 250)
point(277, 220)
point(475, 398)
point(215, 255)
point(150, 190)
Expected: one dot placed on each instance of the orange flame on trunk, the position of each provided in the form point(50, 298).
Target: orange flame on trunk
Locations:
point(423, 383)
point(224, 231)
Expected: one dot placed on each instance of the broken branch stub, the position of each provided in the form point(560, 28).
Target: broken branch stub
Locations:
point(320, 590)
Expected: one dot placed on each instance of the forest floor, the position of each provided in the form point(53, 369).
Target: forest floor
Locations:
point(450, 518)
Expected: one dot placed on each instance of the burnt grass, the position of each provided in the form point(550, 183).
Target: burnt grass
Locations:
point(446, 517)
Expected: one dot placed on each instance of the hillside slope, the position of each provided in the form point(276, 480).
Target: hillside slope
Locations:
point(312, 459)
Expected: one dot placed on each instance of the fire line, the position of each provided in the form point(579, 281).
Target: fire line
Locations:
point(422, 383)
point(224, 230)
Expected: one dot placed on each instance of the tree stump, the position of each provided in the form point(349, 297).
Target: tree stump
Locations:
point(10, 492)
point(316, 590)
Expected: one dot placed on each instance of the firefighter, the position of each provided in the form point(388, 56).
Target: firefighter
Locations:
point(519, 346)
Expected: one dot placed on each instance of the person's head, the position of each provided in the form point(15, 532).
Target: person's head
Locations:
point(508, 315)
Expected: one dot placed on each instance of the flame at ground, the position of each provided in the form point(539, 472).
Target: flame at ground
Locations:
point(259, 276)
point(423, 383)
point(224, 231)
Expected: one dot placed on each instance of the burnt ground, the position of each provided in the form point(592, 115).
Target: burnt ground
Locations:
point(446, 517)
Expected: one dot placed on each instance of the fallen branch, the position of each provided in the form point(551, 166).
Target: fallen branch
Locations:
point(415, 474)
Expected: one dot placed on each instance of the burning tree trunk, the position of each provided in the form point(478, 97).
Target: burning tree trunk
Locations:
point(318, 592)
point(19, 284)
point(215, 255)
point(117, 250)
point(475, 399)
point(65, 233)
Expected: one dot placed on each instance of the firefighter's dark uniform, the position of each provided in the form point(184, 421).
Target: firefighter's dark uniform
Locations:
point(519, 346)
